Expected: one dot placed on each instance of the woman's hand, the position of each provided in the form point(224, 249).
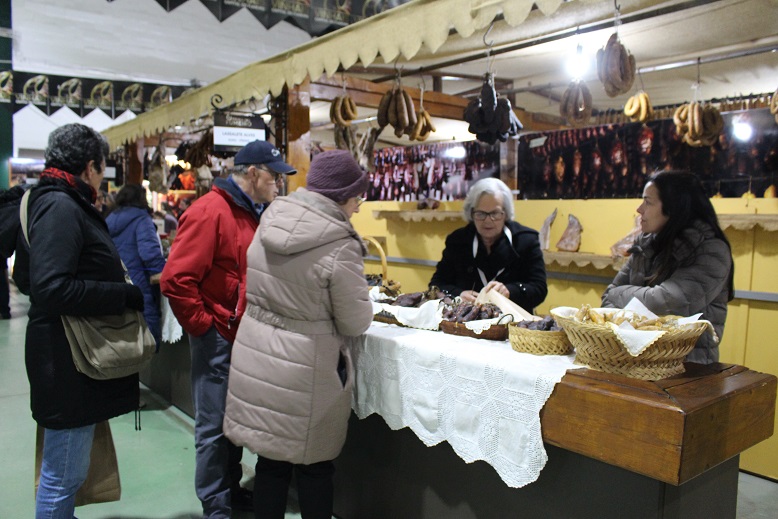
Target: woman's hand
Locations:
point(468, 296)
point(499, 287)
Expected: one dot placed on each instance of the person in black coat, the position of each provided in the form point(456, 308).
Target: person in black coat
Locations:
point(10, 239)
point(70, 267)
point(492, 251)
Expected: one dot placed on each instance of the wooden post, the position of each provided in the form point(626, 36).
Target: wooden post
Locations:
point(134, 173)
point(298, 151)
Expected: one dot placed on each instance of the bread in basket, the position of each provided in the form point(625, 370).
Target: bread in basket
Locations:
point(598, 346)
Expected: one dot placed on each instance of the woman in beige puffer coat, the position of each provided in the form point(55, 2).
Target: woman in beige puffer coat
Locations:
point(291, 375)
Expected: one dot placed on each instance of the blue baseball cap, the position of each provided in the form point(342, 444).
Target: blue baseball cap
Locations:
point(265, 154)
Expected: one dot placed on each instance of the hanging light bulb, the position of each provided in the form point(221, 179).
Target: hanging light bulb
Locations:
point(578, 65)
point(742, 129)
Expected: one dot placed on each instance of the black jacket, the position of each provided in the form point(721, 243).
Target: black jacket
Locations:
point(71, 267)
point(524, 274)
point(10, 231)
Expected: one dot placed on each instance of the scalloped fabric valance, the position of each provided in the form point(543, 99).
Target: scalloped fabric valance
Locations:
point(418, 28)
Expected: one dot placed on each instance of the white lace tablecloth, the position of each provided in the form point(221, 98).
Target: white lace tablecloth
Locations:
point(480, 396)
point(171, 330)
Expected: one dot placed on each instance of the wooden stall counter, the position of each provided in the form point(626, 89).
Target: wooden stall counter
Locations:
point(671, 430)
point(616, 446)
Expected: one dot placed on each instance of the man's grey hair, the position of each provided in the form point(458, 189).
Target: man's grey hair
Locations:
point(488, 186)
point(240, 169)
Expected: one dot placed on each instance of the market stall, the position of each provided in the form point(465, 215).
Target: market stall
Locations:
point(449, 426)
point(414, 237)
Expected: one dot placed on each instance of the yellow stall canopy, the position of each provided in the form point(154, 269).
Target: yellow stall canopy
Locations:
point(416, 31)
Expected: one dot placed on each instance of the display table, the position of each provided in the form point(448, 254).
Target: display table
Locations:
point(616, 447)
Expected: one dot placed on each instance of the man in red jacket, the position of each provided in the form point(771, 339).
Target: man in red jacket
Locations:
point(204, 280)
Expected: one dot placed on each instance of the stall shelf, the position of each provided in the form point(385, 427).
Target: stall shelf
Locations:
point(582, 259)
point(418, 216)
point(746, 222)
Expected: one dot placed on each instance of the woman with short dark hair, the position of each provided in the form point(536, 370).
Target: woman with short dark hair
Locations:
point(71, 267)
point(682, 263)
point(135, 236)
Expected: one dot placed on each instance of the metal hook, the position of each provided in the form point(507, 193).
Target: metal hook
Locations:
point(699, 60)
point(616, 16)
point(397, 72)
point(343, 83)
point(421, 93)
point(696, 86)
point(489, 43)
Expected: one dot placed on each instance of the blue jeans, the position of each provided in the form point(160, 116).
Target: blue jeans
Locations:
point(217, 460)
point(63, 471)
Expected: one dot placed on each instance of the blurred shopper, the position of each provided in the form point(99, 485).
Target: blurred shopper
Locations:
point(71, 267)
point(182, 206)
point(11, 238)
point(105, 203)
point(492, 251)
point(5, 291)
point(291, 377)
point(204, 281)
point(682, 263)
point(135, 236)
point(171, 222)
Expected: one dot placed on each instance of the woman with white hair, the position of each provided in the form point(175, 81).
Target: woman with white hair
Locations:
point(492, 251)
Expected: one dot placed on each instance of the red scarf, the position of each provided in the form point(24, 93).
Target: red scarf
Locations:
point(86, 190)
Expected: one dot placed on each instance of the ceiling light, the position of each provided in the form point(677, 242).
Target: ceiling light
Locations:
point(578, 65)
point(455, 152)
point(742, 129)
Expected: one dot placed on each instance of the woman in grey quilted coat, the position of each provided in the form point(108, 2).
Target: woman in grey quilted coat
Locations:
point(291, 375)
point(682, 263)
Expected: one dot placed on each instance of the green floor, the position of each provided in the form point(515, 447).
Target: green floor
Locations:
point(157, 463)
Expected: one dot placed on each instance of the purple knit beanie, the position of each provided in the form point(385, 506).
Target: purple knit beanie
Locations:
point(336, 175)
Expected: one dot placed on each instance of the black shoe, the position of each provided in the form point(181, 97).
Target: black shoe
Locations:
point(242, 499)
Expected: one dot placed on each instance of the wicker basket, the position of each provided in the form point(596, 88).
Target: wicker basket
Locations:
point(381, 254)
point(496, 332)
point(382, 317)
point(599, 348)
point(539, 342)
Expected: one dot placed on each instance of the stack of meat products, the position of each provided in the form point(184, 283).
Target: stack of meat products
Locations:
point(491, 118)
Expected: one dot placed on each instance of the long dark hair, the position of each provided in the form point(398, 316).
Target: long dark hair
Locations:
point(684, 202)
point(132, 195)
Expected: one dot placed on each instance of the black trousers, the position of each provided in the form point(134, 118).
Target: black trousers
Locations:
point(5, 292)
point(314, 488)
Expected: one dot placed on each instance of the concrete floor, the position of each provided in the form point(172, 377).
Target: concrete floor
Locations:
point(157, 463)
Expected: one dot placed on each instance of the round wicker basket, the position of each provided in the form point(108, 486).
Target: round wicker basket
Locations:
point(598, 347)
point(539, 342)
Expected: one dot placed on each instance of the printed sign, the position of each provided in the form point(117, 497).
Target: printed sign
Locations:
point(231, 132)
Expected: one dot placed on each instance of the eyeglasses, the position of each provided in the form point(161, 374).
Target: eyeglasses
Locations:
point(480, 216)
point(360, 200)
point(278, 178)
